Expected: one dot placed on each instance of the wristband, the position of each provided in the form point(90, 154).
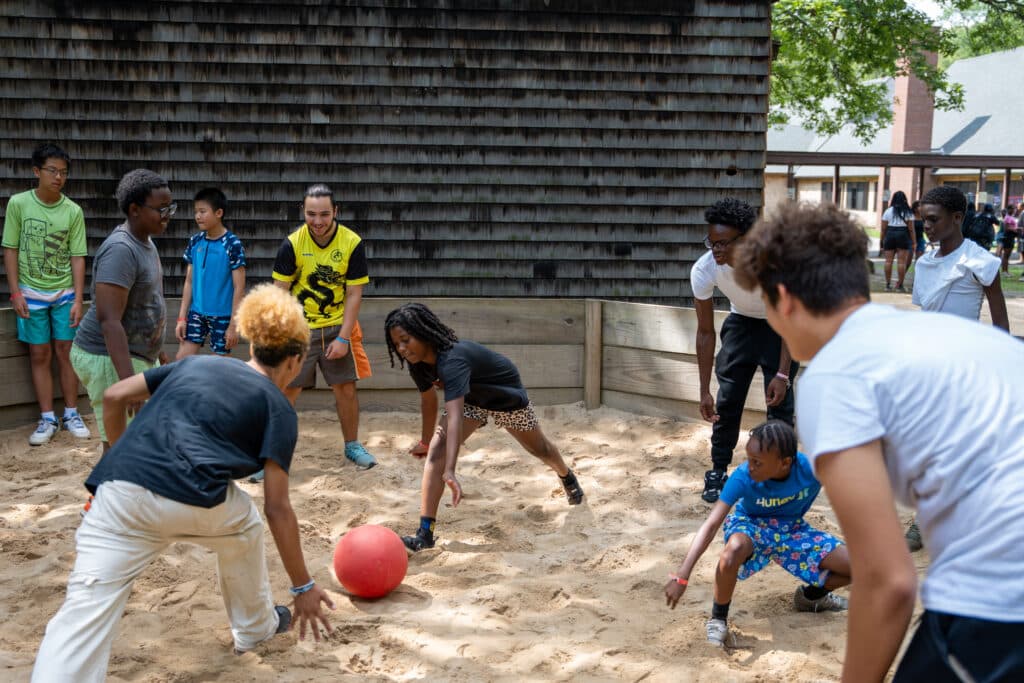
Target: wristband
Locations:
point(16, 295)
point(680, 581)
point(785, 377)
point(296, 591)
point(181, 320)
point(342, 340)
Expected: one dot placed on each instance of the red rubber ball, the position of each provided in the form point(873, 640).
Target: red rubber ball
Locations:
point(370, 561)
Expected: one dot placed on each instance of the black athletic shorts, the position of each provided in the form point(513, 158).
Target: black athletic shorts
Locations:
point(897, 238)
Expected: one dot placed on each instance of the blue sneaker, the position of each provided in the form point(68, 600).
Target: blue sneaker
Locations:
point(355, 452)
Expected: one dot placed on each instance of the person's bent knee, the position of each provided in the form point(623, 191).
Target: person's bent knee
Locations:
point(735, 553)
point(346, 390)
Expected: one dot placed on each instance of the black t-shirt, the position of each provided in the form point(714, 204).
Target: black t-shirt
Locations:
point(485, 378)
point(209, 420)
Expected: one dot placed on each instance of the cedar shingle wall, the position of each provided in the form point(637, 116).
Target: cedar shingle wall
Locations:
point(489, 148)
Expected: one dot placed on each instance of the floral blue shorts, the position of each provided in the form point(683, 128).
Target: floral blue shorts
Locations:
point(794, 545)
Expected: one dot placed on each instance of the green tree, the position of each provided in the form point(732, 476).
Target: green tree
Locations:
point(834, 56)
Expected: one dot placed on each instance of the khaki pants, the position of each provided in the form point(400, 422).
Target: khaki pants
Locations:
point(125, 530)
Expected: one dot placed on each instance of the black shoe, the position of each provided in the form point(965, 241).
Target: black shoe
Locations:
point(417, 543)
point(714, 480)
point(573, 490)
point(284, 618)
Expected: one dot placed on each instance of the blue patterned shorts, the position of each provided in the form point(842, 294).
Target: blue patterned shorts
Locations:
point(794, 545)
point(198, 326)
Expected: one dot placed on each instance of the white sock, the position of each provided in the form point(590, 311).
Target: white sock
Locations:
point(48, 415)
point(70, 412)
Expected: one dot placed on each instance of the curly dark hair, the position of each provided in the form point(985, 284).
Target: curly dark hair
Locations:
point(950, 198)
point(776, 434)
point(421, 323)
point(136, 186)
point(818, 252)
point(731, 212)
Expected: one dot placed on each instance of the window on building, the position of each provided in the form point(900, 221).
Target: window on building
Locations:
point(826, 192)
point(857, 196)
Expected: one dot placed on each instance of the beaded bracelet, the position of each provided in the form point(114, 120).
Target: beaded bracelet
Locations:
point(299, 590)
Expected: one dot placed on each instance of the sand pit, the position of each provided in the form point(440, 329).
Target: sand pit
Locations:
point(521, 587)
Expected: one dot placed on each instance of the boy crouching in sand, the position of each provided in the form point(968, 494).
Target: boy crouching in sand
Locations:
point(772, 492)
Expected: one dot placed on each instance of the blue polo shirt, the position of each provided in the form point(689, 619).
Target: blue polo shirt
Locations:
point(212, 263)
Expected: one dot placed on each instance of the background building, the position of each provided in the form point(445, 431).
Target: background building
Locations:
point(990, 124)
point(495, 148)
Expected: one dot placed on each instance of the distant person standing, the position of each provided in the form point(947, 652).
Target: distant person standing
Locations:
point(954, 277)
point(323, 263)
point(44, 257)
point(897, 240)
point(1010, 230)
point(747, 342)
point(982, 227)
point(122, 334)
point(919, 241)
point(214, 280)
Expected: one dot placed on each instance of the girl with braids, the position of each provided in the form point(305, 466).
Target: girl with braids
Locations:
point(771, 491)
point(479, 385)
point(169, 477)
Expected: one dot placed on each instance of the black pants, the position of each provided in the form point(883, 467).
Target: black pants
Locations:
point(747, 343)
point(946, 646)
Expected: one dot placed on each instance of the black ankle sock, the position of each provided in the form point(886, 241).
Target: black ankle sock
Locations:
point(814, 592)
point(720, 611)
point(426, 529)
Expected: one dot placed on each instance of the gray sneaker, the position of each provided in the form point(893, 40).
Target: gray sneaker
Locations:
point(718, 632)
point(44, 432)
point(913, 536)
point(830, 602)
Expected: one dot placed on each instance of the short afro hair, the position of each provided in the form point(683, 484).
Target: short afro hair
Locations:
point(135, 186)
point(732, 213)
point(950, 198)
point(817, 251)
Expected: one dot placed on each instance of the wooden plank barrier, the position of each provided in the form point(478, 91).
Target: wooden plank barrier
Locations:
point(635, 357)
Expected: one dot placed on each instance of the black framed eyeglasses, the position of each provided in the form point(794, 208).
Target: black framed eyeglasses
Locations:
point(164, 211)
point(719, 245)
point(58, 172)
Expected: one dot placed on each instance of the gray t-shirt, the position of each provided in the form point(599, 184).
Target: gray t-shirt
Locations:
point(124, 261)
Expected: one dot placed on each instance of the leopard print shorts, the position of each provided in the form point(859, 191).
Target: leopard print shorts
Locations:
point(521, 420)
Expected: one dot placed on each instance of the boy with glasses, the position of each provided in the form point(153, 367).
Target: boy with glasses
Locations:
point(747, 342)
point(44, 256)
point(123, 332)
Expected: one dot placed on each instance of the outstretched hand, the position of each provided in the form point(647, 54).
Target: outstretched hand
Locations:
point(308, 612)
point(453, 484)
point(673, 591)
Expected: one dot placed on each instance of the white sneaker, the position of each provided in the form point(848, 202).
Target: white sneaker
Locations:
point(718, 632)
point(44, 432)
point(76, 425)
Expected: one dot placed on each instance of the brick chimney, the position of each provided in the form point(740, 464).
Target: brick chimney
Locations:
point(913, 113)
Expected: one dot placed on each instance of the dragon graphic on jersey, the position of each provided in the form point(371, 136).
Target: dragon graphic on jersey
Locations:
point(323, 275)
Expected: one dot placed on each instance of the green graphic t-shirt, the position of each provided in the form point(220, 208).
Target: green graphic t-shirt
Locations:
point(46, 237)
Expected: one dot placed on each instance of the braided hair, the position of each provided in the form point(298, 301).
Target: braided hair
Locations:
point(776, 434)
point(420, 322)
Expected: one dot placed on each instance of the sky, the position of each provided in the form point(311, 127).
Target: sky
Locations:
point(929, 7)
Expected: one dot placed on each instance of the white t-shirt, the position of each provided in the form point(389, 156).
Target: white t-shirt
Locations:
point(955, 283)
point(894, 220)
point(943, 394)
point(706, 275)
